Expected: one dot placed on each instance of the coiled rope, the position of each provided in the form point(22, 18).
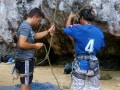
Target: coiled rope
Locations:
point(51, 40)
point(47, 52)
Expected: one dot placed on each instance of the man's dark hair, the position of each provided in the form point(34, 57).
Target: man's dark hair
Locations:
point(87, 14)
point(36, 12)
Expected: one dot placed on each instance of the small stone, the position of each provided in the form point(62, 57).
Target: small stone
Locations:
point(66, 87)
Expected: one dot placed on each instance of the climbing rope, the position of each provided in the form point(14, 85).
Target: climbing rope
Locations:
point(51, 40)
point(78, 12)
point(47, 52)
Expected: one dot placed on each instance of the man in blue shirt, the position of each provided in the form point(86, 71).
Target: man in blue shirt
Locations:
point(88, 40)
point(24, 62)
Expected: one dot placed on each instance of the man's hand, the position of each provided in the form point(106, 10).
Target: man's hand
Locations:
point(71, 15)
point(52, 28)
point(38, 45)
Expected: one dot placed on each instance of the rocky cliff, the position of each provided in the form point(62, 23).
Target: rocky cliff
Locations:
point(12, 13)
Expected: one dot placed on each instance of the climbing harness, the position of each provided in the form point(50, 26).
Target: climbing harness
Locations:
point(17, 75)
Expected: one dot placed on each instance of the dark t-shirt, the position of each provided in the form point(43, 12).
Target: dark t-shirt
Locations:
point(25, 29)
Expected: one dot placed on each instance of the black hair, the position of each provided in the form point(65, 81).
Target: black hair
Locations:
point(87, 14)
point(36, 12)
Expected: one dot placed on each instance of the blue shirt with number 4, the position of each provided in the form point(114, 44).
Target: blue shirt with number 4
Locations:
point(87, 38)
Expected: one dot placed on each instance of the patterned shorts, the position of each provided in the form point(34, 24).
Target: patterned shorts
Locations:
point(79, 78)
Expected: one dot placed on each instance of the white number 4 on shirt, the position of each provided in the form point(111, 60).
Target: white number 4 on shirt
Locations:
point(89, 47)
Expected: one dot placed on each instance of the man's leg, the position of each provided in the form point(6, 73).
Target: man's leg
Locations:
point(94, 83)
point(93, 80)
point(78, 76)
point(25, 87)
point(78, 83)
point(25, 67)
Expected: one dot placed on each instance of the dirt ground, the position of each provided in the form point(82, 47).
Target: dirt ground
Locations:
point(43, 74)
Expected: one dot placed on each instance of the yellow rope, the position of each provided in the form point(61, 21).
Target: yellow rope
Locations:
point(80, 10)
point(47, 52)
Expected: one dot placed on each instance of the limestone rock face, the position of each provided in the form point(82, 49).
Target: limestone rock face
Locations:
point(12, 13)
point(105, 11)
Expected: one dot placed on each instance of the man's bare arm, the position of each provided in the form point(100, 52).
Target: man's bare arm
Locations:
point(22, 43)
point(44, 33)
point(70, 17)
point(41, 34)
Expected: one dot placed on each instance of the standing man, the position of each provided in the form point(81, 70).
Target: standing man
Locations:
point(26, 47)
point(88, 39)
